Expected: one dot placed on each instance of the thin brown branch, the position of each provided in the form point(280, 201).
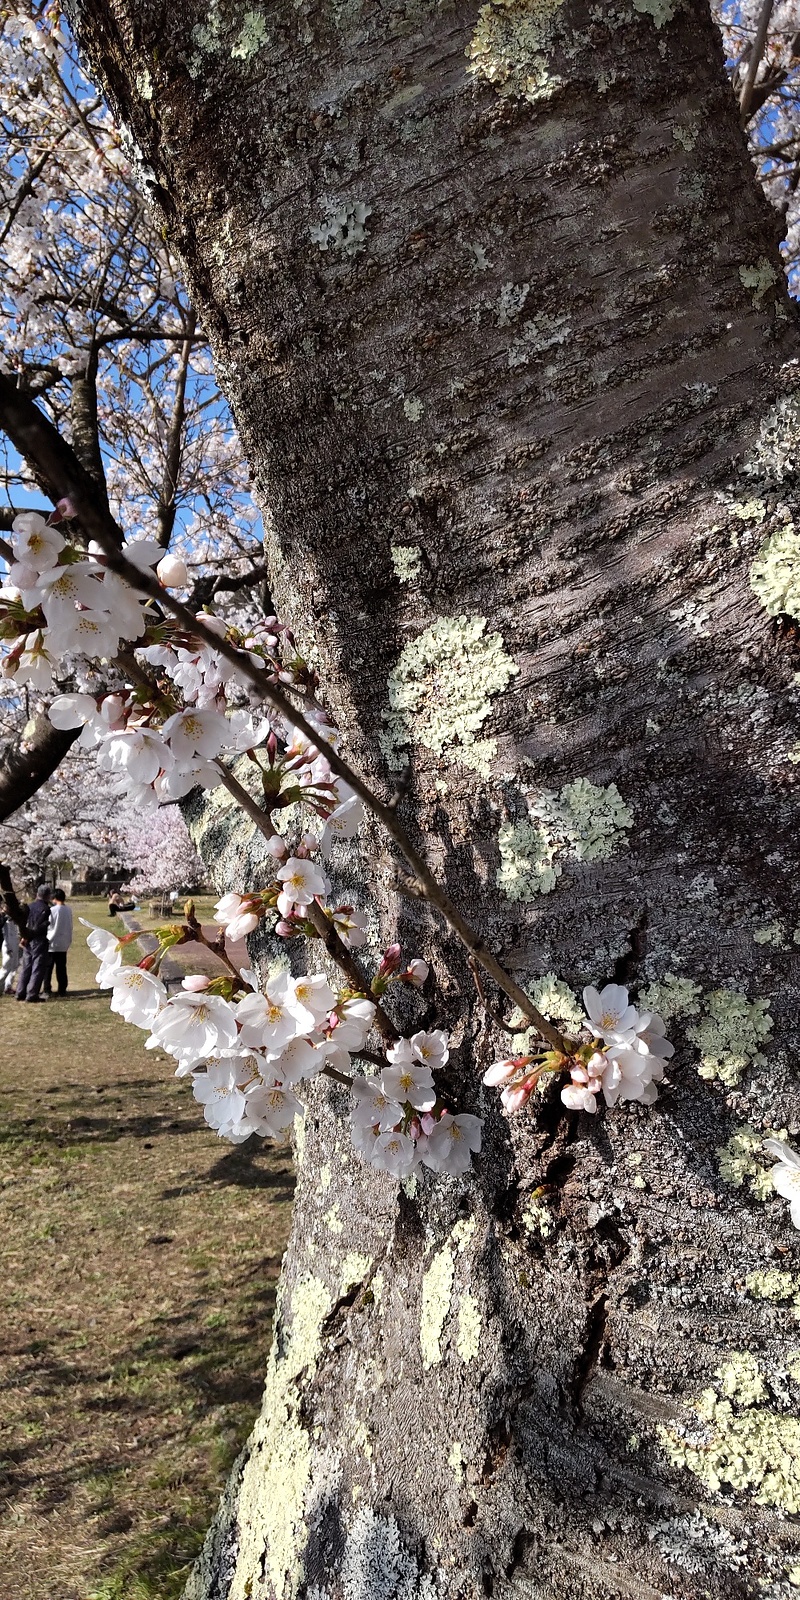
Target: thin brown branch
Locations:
point(490, 1010)
point(756, 55)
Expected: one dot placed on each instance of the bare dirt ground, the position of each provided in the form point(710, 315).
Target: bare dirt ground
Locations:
point(138, 1259)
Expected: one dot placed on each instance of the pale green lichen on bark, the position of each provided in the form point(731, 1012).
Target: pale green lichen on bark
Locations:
point(469, 1327)
point(771, 1285)
point(441, 690)
point(739, 1443)
point(661, 11)
point(775, 572)
point(585, 822)
point(759, 278)
point(437, 1284)
point(407, 562)
point(509, 48)
point(671, 996)
point(730, 1034)
point(275, 1478)
point(557, 1002)
point(742, 1159)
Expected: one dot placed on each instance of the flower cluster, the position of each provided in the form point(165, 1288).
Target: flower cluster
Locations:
point(620, 1054)
point(785, 1175)
point(399, 1121)
point(247, 1052)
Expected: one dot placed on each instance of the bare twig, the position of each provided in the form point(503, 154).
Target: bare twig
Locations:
point(489, 1009)
point(756, 54)
point(36, 438)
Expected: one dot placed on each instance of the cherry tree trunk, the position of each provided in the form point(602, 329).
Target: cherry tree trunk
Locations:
point(500, 313)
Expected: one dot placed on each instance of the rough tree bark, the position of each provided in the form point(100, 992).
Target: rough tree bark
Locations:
point(494, 286)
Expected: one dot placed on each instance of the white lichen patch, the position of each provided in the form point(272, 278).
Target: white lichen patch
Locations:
point(740, 1443)
point(771, 933)
point(776, 453)
point(468, 1337)
point(407, 562)
point(437, 1284)
point(276, 1475)
point(596, 819)
point(759, 278)
point(585, 822)
point(730, 1034)
point(441, 691)
point(557, 1002)
point(508, 49)
point(671, 996)
point(537, 1219)
point(748, 510)
point(775, 572)
point(376, 1564)
point(510, 302)
point(253, 36)
point(542, 333)
point(413, 408)
point(742, 1159)
point(343, 228)
point(697, 1545)
point(527, 865)
point(333, 1221)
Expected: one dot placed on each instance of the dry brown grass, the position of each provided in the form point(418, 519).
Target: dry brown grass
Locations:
point(138, 1256)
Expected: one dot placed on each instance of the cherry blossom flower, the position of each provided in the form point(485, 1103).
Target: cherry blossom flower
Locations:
point(394, 1153)
point(137, 996)
point(172, 572)
point(219, 1094)
point(431, 1048)
point(416, 972)
point(272, 1108)
point(357, 1017)
point(311, 995)
point(302, 881)
point(351, 926)
point(266, 1020)
point(785, 1175)
point(452, 1141)
point(198, 1022)
point(410, 1081)
point(610, 1013)
point(195, 733)
point(372, 1107)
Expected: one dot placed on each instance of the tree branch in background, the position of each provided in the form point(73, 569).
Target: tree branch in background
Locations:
point(167, 500)
point(756, 57)
point(25, 770)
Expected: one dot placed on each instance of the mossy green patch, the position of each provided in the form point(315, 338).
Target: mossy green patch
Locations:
point(742, 1159)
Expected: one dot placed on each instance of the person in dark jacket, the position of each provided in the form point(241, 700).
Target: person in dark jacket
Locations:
point(35, 963)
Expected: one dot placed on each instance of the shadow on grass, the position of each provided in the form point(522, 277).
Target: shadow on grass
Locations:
point(91, 1130)
point(243, 1167)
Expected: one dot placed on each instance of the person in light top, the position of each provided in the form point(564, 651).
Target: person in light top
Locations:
point(59, 939)
point(9, 948)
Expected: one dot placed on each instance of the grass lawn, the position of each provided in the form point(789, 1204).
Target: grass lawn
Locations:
point(138, 1256)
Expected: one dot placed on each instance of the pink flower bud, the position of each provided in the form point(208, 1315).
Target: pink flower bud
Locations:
point(415, 1128)
point(514, 1099)
point(501, 1072)
point(196, 982)
point(428, 1123)
point(172, 572)
point(284, 929)
point(390, 961)
point(277, 848)
point(416, 972)
point(64, 508)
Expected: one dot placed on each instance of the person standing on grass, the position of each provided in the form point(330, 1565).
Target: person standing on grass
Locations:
point(35, 954)
point(9, 950)
point(59, 939)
